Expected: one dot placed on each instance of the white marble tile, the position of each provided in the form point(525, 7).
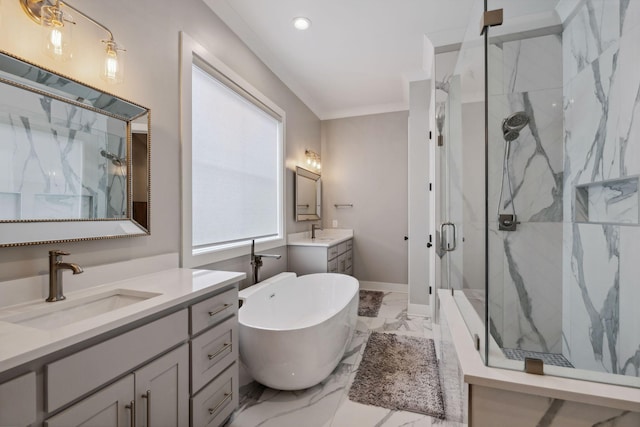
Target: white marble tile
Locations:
point(592, 30)
point(629, 353)
point(532, 64)
point(328, 405)
point(311, 407)
point(624, 106)
point(533, 288)
point(630, 16)
point(493, 407)
point(592, 283)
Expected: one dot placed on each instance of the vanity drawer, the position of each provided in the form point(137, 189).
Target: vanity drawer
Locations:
point(332, 266)
point(349, 256)
point(212, 352)
point(212, 310)
point(86, 370)
point(349, 244)
point(342, 247)
point(213, 404)
point(18, 401)
point(342, 263)
point(332, 252)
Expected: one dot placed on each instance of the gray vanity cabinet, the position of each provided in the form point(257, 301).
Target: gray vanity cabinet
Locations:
point(176, 369)
point(18, 401)
point(162, 388)
point(156, 394)
point(110, 407)
point(337, 258)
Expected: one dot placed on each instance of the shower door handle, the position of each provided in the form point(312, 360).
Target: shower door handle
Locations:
point(444, 244)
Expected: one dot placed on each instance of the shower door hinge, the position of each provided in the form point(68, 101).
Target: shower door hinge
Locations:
point(430, 290)
point(430, 187)
point(430, 136)
point(490, 18)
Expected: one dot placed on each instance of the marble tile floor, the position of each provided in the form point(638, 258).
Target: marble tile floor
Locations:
point(327, 404)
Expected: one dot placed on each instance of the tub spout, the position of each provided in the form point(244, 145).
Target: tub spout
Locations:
point(256, 261)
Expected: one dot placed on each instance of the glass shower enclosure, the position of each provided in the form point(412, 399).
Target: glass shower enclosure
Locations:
point(539, 172)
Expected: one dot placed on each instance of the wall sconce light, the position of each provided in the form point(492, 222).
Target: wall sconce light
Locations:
point(56, 25)
point(313, 159)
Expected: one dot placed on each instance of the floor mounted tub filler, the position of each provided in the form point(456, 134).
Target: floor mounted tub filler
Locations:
point(294, 330)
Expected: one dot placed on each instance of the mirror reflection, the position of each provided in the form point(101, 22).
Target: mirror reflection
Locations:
point(67, 159)
point(308, 195)
point(59, 161)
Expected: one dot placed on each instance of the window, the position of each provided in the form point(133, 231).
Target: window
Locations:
point(232, 156)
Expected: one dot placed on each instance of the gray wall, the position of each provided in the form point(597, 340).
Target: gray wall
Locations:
point(364, 162)
point(150, 35)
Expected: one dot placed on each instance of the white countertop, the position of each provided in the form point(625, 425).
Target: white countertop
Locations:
point(22, 344)
point(324, 238)
point(476, 372)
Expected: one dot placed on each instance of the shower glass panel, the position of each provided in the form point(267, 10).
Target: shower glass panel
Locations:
point(460, 171)
point(563, 161)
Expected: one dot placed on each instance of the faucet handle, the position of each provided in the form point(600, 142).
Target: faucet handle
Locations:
point(57, 252)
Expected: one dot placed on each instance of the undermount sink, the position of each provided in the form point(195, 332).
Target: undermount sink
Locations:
point(57, 314)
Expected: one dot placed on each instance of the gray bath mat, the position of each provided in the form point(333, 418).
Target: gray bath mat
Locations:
point(401, 373)
point(370, 302)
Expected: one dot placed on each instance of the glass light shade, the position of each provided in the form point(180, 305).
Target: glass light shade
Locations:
point(56, 33)
point(113, 67)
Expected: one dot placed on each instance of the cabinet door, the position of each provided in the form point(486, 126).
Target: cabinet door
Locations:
point(112, 406)
point(162, 391)
point(18, 401)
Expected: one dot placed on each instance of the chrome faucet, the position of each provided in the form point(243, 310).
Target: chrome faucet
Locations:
point(314, 227)
point(256, 260)
point(55, 274)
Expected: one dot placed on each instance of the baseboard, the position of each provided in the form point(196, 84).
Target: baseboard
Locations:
point(420, 310)
point(384, 286)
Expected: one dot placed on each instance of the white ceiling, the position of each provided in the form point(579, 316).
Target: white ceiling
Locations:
point(358, 55)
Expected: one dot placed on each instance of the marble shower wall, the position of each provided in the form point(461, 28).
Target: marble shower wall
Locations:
point(525, 266)
point(601, 289)
point(51, 166)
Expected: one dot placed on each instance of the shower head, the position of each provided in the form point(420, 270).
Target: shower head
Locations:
point(516, 121)
point(117, 161)
point(513, 124)
point(510, 135)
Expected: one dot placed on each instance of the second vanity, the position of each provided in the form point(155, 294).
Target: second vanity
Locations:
point(165, 349)
point(331, 251)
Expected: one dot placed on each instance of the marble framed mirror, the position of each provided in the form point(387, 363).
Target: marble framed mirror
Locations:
point(74, 160)
point(308, 195)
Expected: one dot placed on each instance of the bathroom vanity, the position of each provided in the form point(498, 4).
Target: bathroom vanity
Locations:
point(331, 251)
point(161, 346)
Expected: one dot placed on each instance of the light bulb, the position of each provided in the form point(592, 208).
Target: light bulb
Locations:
point(56, 35)
point(113, 63)
point(319, 166)
point(308, 161)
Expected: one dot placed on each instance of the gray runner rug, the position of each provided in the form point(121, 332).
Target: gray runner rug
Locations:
point(401, 373)
point(370, 302)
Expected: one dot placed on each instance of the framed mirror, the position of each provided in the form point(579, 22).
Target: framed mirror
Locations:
point(74, 161)
point(308, 195)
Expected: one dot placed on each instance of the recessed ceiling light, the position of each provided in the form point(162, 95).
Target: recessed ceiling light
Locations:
point(301, 23)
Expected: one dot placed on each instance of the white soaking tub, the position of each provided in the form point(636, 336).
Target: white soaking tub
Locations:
point(294, 330)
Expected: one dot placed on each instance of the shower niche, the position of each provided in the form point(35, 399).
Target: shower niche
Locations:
point(608, 202)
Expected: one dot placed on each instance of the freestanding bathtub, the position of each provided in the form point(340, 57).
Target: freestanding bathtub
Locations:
point(294, 330)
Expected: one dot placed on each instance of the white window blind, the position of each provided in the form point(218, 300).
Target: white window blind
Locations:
point(236, 162)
